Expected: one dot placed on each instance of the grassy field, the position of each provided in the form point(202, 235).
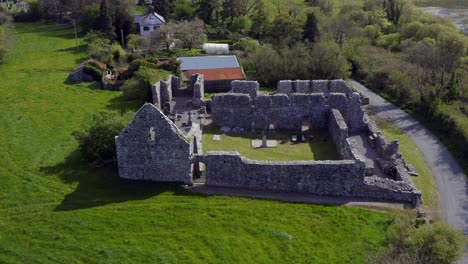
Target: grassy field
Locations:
point(411, 153)
point(54, 209)
point(322, 148)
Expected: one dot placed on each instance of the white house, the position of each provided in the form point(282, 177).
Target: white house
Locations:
point(149, 22)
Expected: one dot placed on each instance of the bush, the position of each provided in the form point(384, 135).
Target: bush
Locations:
point(171, 65)
point(429, 243)
point(97, 141)
point(390, 41)
point(93, 70)
point(138, 88)
point(136, 64)
point(88, 18)
point(34, 13)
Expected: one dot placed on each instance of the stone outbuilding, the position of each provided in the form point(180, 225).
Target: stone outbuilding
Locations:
point(152, 148)
point(79, 74)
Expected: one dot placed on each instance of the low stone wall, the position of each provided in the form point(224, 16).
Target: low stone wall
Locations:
point(331, 178)
point(389, 190)
point(335, 178)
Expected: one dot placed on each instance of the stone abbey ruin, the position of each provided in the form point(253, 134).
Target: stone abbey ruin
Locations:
point(164, 140)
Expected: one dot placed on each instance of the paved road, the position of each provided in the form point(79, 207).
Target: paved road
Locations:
point(451, 181)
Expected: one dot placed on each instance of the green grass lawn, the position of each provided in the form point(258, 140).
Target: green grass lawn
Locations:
point(322, 148)
point(411, 153)
point(54, 209)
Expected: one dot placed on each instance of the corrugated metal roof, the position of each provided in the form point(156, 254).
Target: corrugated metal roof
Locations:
point(218, 74)
point(208, 62)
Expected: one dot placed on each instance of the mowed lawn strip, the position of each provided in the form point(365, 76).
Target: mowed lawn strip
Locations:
point(54, 209)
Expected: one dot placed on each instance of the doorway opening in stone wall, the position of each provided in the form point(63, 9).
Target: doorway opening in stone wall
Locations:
point(199, 173)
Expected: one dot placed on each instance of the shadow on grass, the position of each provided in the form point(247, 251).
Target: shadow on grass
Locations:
point(98, 187)
point(123, 104)
point(65, 31)
point(81, 48)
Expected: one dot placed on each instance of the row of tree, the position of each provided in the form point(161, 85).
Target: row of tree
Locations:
point(4, 35)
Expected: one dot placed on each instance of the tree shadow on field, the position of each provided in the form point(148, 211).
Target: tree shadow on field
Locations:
point(98, 187)
point(65, 31)
point(75, 50)
point(123, 104)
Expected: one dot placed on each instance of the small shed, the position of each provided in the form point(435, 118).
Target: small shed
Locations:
point(218, 71)
point(78, 75)
point(214, 48)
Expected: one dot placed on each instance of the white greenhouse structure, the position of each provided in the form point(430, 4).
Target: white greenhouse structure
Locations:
point(214, 48)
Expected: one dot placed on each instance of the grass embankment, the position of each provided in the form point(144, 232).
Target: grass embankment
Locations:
point(53, 208)
point(412, 155)
point(321, 148)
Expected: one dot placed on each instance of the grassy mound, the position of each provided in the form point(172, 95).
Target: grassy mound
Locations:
point(54, 209)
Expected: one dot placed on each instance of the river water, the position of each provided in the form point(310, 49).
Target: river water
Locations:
point(456, 10)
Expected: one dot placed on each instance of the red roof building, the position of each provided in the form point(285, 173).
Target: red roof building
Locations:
point(218, 71)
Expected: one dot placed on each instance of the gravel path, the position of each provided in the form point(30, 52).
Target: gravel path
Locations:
point(451, 181)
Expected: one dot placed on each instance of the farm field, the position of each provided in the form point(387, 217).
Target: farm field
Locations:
point(53, 208)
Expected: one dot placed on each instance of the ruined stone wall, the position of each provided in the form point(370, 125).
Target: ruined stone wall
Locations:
point(232, 110)
point(314, 86)
point(389, 190)
point(178, 90)
point(245, 87)
point(335, 178)
point(161, 92)
point(284, 111)
point(152, 148)
point(198, 87)
point(338, 131)
point(330, 178)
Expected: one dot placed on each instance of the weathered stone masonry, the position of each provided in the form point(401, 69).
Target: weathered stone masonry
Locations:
point(152, 148)
point(286, 111)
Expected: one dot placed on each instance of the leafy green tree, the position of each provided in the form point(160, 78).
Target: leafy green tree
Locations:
point(137, 42)
point(439, 64)
point(237, 8)
point(139, 87)
point(208, 11)
point(184, 11)
point(264, 65)
point(101, 50)
point(328, 62)
point(3, 43)
point(341, 28)
point(164, 37)
point(97, 141)
point(429, 243)
point(88, 17)
point(311, 32)
point(191, 33)
point(285, 30)
point(393, 9)
point(164, 7)
point(104, 21)
point(122, 19)
point(260, 23)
